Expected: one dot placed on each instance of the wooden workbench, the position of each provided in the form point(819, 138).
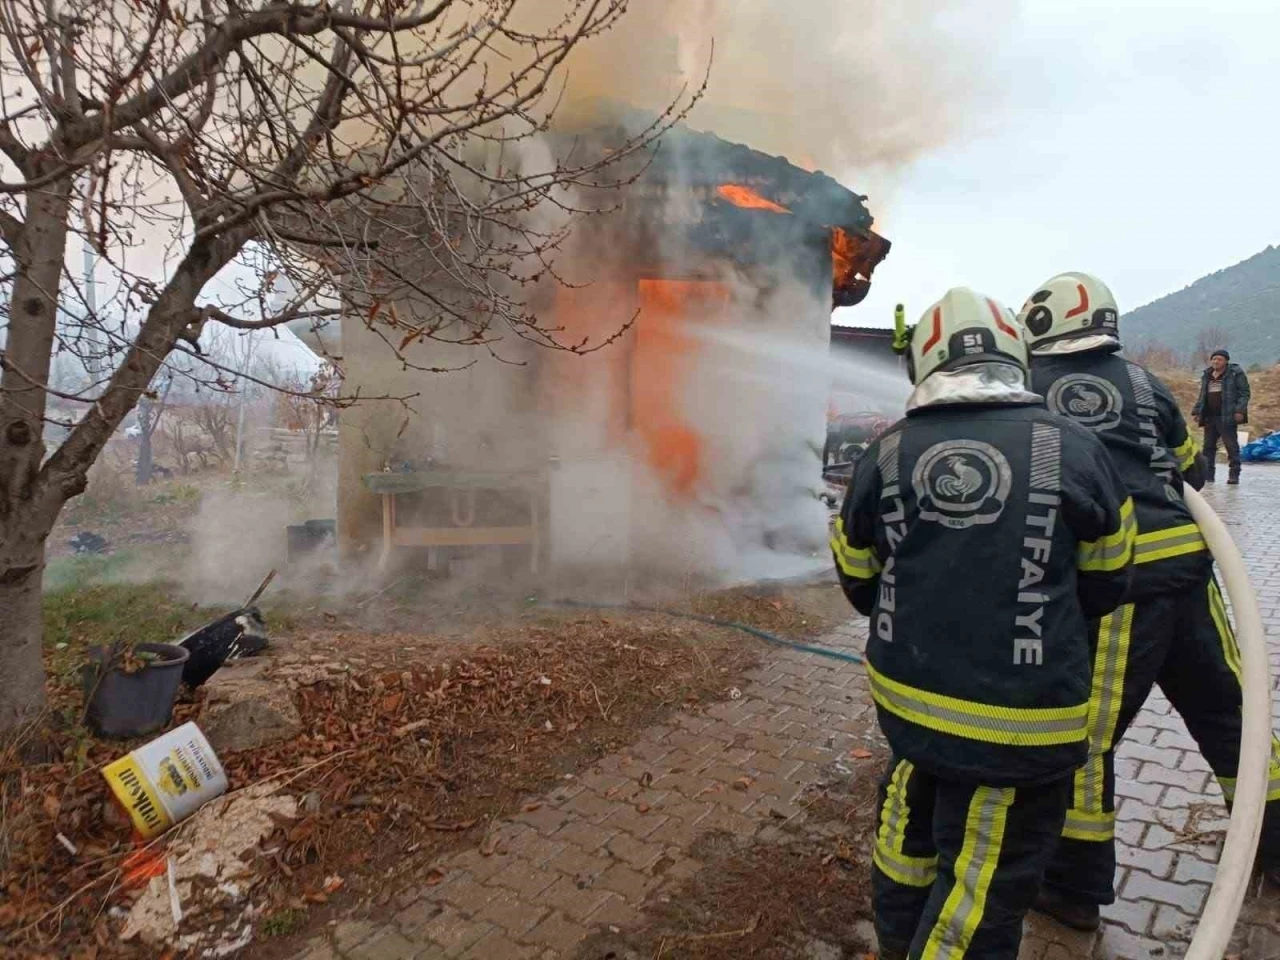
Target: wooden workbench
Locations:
point(461, 483)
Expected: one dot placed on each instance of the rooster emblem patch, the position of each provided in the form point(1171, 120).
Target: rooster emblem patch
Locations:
point(1088, 400)
point(1085, 403)
point(961, 483)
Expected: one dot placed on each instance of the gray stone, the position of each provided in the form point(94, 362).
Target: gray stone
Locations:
point(246, 712)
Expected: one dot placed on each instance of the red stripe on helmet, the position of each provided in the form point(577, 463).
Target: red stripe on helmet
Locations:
point(1083, 307)
point(1000, 321)
point(936, 335)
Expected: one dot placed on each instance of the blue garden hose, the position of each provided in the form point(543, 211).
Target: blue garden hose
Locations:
point(712, 621)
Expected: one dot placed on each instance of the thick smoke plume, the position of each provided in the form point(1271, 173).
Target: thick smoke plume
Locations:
point(858, 88)
point(843, 85)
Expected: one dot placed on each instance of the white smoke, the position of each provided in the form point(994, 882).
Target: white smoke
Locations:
point(857, 87)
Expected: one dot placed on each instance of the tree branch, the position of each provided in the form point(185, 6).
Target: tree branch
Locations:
point(64, 473)
point(143, 60)
point(13, 148)
point(278, 18)
point(66, 65)
point(310, 240)
point(150, 142)
point(11, 228)
point(208, 312)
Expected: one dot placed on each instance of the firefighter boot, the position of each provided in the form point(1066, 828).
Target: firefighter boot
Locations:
point(1076, 914)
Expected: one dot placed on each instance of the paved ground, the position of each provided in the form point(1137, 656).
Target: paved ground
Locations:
point(585, 857)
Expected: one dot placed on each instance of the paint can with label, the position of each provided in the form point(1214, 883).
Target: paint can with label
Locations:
point(165, 781)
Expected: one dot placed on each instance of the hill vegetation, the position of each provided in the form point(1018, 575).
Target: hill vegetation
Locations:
point(1237, 307)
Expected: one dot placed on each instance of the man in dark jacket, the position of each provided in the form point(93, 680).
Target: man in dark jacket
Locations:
point(980, 533)
point(1223, 405)
point(1174, 629)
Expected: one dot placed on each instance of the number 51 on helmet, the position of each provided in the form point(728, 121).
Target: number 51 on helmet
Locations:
point(961, 329)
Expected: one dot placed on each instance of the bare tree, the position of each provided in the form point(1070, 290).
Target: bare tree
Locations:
point(1156, 357)
point(151, 408)
point(305, 407)
point(1208, 340)
point(215, 418)
point(185, 441)
point(212, 153)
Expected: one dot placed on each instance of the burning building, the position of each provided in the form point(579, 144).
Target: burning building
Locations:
point(689, 444)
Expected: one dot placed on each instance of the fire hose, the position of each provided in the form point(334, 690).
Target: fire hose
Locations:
point(756, 632)
point(1235, 866)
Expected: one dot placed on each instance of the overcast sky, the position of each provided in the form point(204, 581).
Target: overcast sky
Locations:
point(1136, 140)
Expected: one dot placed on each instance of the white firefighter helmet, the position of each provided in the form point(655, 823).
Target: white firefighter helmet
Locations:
point(963, 328)
point(1070, 305)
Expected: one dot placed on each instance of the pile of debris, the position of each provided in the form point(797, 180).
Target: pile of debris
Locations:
point(324, 753)
point(208, 871)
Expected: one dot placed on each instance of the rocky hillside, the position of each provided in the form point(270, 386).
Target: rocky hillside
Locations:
point(1238, 307)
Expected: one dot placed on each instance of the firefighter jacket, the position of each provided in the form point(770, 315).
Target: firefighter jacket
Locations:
point(1138, 421)
point(979, 539)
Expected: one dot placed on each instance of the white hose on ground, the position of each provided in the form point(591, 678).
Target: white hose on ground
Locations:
point(1235, 866)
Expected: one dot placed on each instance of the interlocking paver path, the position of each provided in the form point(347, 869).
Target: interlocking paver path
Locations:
point(586, 856)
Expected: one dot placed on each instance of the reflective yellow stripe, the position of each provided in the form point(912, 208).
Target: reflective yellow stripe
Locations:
point(1115, 550)
point(1091, 827)
point(861, 563)
point(895, 813)
point(1009, 726)
point(1228, 784)
point(904, 870)
point(891, 838)
point(1231, 654)
point(1230, 649)
point(1185, 454)
point(1170, 542)
point(965, 905)
point(1084, 781)
point(1110, 664)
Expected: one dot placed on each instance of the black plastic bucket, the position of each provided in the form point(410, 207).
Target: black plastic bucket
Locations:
point(307, 538)
point(124, 705)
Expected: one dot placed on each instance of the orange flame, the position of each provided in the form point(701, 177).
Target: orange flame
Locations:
point(663, 361)
point(843, 255)
point(747, 198)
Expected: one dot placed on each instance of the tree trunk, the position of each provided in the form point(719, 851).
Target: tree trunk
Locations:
point(22, 620)
point(28, 507)
point(146, 460)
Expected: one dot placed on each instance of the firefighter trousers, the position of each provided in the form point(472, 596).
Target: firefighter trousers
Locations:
point(1183, 643)
point(956, 866)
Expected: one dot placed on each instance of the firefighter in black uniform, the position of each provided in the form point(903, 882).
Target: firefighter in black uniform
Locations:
point(1174, 630)
point(979, 534)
